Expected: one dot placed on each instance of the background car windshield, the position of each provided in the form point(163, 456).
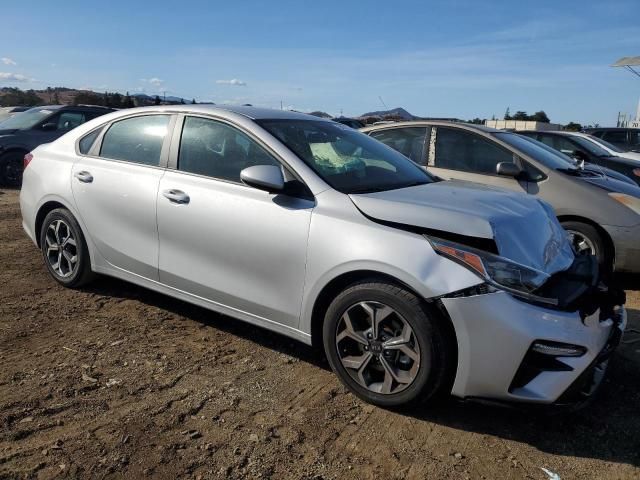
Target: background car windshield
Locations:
point(606, 144)
point(27, 119)
point(590, 147)
point(538, 151)
point(349, 161)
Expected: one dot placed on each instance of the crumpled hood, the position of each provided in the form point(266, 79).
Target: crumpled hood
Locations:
point(524, 228)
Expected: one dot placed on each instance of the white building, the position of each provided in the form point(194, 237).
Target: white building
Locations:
point(522, 125)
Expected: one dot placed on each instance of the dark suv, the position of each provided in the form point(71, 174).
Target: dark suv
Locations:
point(625, 138)
point(22, 133)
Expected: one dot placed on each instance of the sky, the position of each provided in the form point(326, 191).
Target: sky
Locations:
point(462, 59)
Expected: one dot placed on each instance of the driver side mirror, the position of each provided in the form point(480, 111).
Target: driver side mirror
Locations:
point(508, 169)
point(263, 177)
point(48, 127)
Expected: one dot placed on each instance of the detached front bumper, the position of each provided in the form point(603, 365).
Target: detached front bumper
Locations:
point(495, 334)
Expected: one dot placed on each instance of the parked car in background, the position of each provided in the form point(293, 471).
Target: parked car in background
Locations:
point(583, 149)
point(624, 138)
point(316, 231)
point(589, 168)
point(24, 132)
point(349, 122)
point(602, 215)
point(610, 147)
point(8, 112)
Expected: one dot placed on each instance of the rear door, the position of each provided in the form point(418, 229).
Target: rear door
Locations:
point(115, 187)
point(410, 141)
point(220, 240)
point(463, 155)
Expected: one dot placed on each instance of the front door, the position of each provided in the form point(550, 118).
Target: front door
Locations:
point(223, 241)
point(463, 155)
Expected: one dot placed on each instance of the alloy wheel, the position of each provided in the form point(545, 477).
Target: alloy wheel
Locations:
point(581, 243)
point(377, 347)
point(61, 248)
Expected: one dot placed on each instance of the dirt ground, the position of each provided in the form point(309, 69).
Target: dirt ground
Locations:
point(114, 381)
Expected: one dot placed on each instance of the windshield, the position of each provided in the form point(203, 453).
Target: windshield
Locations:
point(538, 151)
point(349, 161)
point(590, 147)
point(25, 120)
point(599, 141)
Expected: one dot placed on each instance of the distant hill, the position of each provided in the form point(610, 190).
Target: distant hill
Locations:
point(396, 112)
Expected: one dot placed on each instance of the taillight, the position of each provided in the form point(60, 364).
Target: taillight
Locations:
point(27, 159)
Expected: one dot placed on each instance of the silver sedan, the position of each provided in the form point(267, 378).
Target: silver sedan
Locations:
point(415, 287)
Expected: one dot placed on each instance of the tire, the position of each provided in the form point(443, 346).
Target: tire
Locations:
point(592, 241)
point(59, 232)
point(427, 377)
point(11, 168)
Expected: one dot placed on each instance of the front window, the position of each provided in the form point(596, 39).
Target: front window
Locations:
point(28, 119)
point(605, 144)
point(461, 150)
point(590, 147)
point(349, 161)
point(540, 152)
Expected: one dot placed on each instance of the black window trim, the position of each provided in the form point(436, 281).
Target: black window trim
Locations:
point(174, 150)
point(97, 144)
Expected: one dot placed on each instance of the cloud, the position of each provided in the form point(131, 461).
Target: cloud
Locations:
point(13, 77)
point(8, 61)
point(156, 82)
point(234, 81)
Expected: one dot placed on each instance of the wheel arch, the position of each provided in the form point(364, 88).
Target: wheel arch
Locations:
point(342, 281)
point(610, 249)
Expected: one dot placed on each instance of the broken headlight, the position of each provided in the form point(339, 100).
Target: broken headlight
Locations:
point(497, 271)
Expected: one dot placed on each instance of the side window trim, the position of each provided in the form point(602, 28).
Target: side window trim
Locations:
point(164, 152)
point(176, 137)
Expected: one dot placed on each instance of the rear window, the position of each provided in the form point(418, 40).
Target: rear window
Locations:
point(136, 140)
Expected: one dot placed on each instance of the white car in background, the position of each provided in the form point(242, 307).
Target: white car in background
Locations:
point(609, 147)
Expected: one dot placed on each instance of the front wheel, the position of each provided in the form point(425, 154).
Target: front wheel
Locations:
point(386, 346)
point(64, 249)
point(586, 240)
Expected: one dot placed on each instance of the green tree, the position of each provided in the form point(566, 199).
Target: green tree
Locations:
point(193, 102)
point(156, 100)
point(573, 127)
point(507, 115)
point(540, 116)
point(520, 115)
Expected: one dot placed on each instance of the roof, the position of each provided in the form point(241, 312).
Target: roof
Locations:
point(253, 113)
point(425, 123)
point(608, 129)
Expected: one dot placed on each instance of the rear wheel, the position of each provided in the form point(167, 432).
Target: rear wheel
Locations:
point(64, 249)
point(386, 346)
point(11, 168)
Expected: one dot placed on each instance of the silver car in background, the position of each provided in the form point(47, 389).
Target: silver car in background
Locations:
point(415, 287)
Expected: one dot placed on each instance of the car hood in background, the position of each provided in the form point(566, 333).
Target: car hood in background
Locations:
point(524, 229)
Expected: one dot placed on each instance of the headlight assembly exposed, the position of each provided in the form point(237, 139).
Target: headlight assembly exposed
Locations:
point(627, 200)
point(497, 271)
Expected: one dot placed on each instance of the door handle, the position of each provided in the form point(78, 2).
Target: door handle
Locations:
point(176, 196)
point(84, 176)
